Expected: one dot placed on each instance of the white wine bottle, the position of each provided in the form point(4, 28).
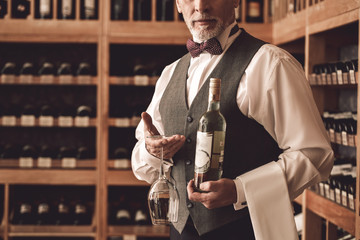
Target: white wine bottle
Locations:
point(210, 139)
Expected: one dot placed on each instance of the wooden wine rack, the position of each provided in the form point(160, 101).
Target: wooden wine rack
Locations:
point(293, 31)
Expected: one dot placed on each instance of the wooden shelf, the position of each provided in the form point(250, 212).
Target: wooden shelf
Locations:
point(334, 213)
point(141, 231)
point(283, 33)
point(133, 80)
point(55, 164)
point(53, 231)
point(17, 123)
point(48, 177)
point(123, 178)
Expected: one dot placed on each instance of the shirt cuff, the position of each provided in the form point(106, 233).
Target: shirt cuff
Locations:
point(241, 200)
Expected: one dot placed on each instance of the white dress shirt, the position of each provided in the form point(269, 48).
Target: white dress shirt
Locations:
point(274, 92)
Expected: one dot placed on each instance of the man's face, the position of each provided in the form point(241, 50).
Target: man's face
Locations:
point(207, 18)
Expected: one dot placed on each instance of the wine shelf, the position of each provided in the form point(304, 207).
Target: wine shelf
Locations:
point(56, 80)
point(134, 80)
point(54, 164)
point(92, 122)
point(48, 176)
point(141, 231)
point(54, 231)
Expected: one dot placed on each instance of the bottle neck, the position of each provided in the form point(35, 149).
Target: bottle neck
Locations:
point(214, 99)
point(214, 105)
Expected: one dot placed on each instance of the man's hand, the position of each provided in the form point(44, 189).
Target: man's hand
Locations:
point(218, 193)
point(170, 144)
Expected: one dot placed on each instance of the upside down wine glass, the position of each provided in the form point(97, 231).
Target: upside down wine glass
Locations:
point(163, 198)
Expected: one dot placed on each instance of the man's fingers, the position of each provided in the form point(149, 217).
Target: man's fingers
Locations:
point(148, 125)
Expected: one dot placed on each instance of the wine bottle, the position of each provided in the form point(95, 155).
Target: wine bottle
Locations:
point(210, 140)
point(65, 73)
point(46, 155)
point(88, 9)
point(83, 114)
point(23, 214)
point(10, 151)
point(47, 115)
point(47, 72)
point(81, 214)
point(66, 117)
point(83, 153)
point(28, 116)
point(63, 216)
point(45, 9)
point(43, 216)
point(254, 11)
point(27, 156)
point(165, 10)
point(66, 9)
point(26, 72)
point(84, 73)
point(8, 73)
point(123, 216)
point(67, 155)
point(3, 8)
point(142, 10)
point(141, 218)
point(20, 8)
point(122, 158)
point(120, 10)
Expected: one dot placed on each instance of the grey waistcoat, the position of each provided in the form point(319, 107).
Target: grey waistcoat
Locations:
point(247, 144)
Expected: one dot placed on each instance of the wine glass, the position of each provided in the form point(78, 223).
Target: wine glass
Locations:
point(163, 197)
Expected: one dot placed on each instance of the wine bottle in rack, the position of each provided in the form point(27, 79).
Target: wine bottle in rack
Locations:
point(84, 73)
point(67, 155)
point(83, 153)
point(83, 114)
point(27, 72)
point(8, 73)
point(141, 75)
point(254, 11)
point(82, 215)
point(3, 8)
point(142, 10)
point(23, 213)
point(20, 8)
point(66, 9)
point(63, 215)
point(46, 155)
point(123, 216)
point(43, 214)
point(27, 156)
point(45, 9)
point(136, 116)
point(210, 139)
point(120, 10)
point(89, 9)
point(122, 158)
point(165, 10)
point(66, 117)
point(28, 116)
point(10, 151)
point(47, 72)
point(65, 73)
point(141, 217)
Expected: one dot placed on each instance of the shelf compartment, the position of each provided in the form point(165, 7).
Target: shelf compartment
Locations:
point(48, 177)
point(54, 231)
point(18, 80)
point(50, 30)
point(140, 231)
point(123, 178)
point(333, 212)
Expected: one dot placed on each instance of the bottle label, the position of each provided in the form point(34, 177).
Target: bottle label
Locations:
point(80, 209)
point(323, 78)
point(141, 80)
point(338, 138)
point(65, 79)
point(47, 79)
point(344, 198)
point(65, 121)
point(332, 135)
point(68, 162)
point(25, 208)
point(82, 121)
point(122, 163)
point(209, 155)
point(328, 79)
point(44, 162)
point(327, 190)
point(338, 195)
point(122, 122)
point(26, 79)
point(351, 140)
point(334, 78)
point(351, 202)
point(46, 121)
point(140, 216)
point(89, 8)
point(321, 188)
point(254, 9)
point(135, 120)
point(26, 162)
point(123, 214)
point(63, 208)
point(332, 194)
point(45, 7)
point(84, 79)
point(312, 79)
point(346, 78)
point(352, 77)
point(66, 7)
point(43, 208)
point(340, 77)
point(8, 78)
point(129, 237)
point(8, 121)
point(27, 120)
point(344, 138)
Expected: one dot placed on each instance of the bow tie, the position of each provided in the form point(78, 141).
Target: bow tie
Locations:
point(212, 46)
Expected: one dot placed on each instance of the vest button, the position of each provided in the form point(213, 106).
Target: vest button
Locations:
point(190, 205)
point(188, 162)
point(189, 119)
point(188, 140)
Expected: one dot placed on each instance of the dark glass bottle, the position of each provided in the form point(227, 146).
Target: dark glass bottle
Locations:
point(89, 9)
point(63, 214)
point(120, 9)
point(142, 10)
point(9, 69)
point(141, 217)
point(44, 9)
point(254, 11)
point(164, 10)
point(66, 9)
point(83, 153)
point(65, 69)
point(23, 214)
point(43, 216)
point(82, 215)
point(84, 69)
point(3, 8)
point(10, 151)
point(20, 8)
point(27, 69)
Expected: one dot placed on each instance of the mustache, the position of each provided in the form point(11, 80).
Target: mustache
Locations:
point(202, 17)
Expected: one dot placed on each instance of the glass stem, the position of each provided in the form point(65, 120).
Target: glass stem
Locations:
point(162, 172)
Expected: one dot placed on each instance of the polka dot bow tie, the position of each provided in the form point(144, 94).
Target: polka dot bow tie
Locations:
point(212, 46)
